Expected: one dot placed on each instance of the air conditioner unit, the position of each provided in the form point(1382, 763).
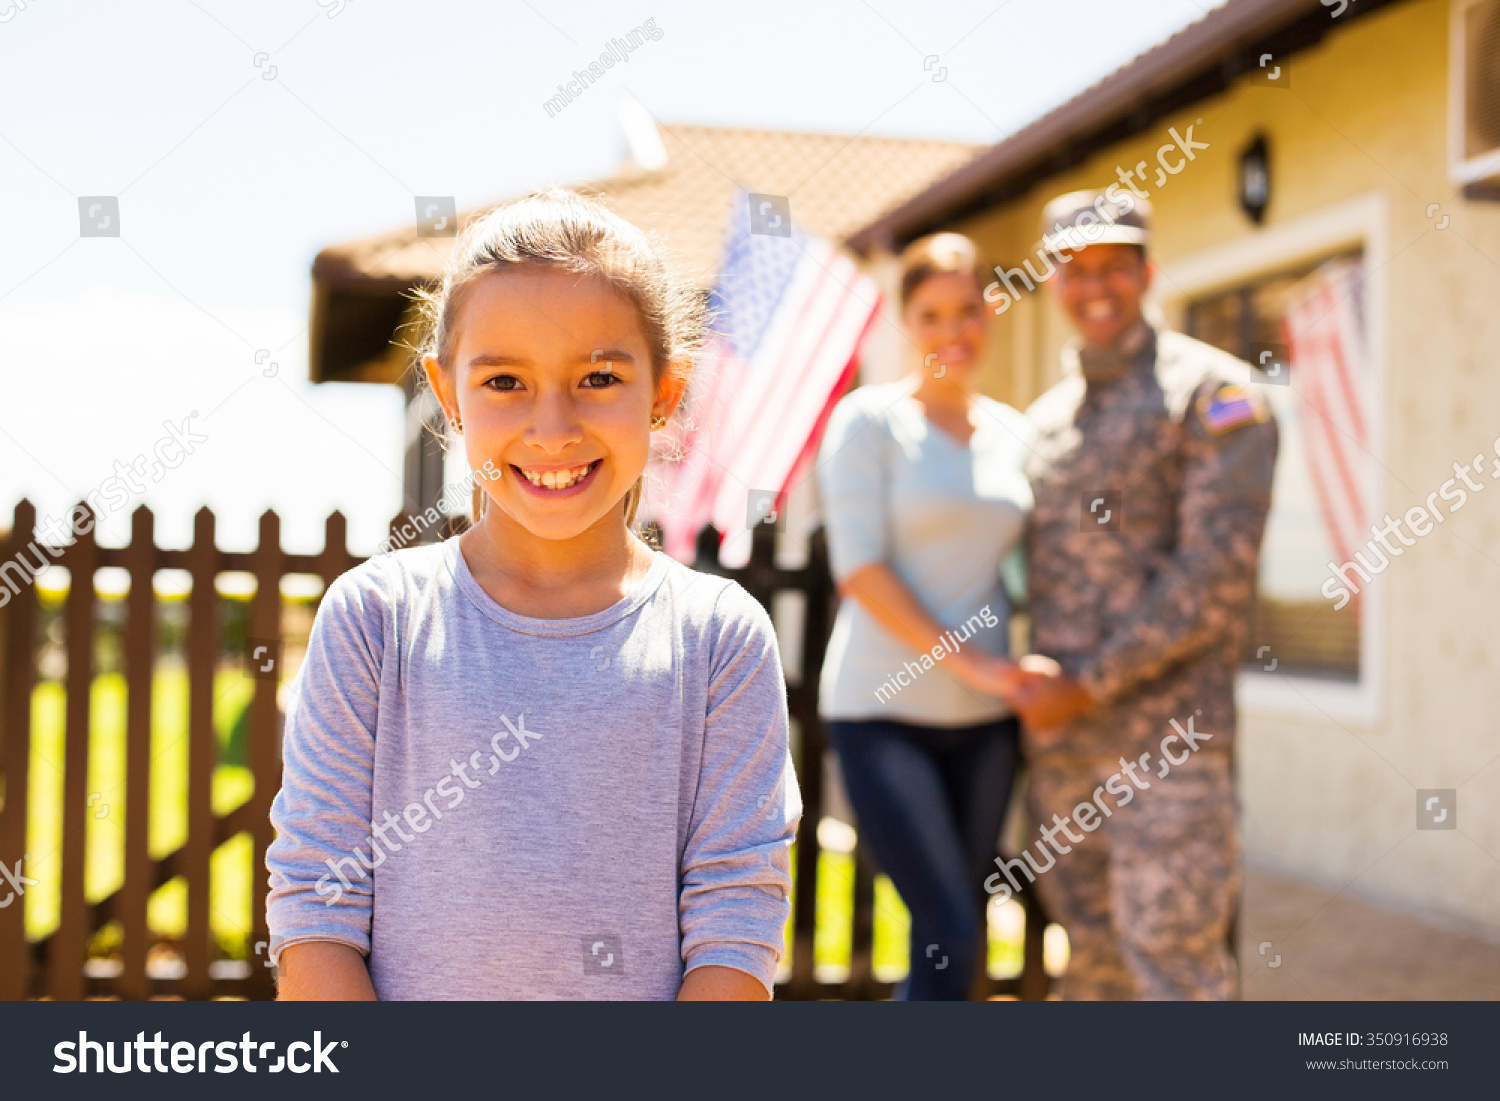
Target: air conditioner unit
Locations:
point(1474, 92)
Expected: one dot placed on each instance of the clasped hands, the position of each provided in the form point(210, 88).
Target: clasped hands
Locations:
point(1036, 687)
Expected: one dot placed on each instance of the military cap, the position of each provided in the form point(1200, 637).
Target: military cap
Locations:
point(1082, 218)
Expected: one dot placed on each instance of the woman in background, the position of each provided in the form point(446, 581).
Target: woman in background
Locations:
point(924, 498)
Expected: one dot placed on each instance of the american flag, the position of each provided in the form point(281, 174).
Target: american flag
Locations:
point(791, 314)
point(1324, 333)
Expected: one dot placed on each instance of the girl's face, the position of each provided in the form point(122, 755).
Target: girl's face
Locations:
point(551, 380)
point(946, 319)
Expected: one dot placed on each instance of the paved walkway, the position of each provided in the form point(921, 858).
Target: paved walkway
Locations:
point(1337, 948)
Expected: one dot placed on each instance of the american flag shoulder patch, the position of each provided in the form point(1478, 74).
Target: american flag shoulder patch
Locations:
point(1231, 406)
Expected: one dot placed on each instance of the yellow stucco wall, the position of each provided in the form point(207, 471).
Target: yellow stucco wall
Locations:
point(1330, 791)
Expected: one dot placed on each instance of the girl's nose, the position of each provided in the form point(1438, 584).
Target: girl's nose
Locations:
point(554, 424)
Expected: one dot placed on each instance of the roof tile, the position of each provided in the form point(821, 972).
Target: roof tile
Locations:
point(836, 184)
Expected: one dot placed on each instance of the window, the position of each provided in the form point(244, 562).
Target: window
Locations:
point(1313, 318)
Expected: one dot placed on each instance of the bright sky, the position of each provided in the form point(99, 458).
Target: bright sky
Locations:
point(228, 184)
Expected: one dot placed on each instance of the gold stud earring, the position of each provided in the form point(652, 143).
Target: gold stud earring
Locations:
point(458, 425)
point(657, 421)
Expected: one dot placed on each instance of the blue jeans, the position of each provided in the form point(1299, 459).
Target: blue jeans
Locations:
point(930, 803)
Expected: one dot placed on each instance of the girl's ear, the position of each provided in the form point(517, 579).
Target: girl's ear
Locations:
point(437, 378)
point(670, 390)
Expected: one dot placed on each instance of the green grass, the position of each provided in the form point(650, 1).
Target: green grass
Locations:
point(833, 934)
point(230, 872)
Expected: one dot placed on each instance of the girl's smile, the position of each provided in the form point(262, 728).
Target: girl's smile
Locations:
point(563, 481)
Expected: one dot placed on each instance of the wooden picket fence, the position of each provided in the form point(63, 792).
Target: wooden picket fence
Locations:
point(56, 966)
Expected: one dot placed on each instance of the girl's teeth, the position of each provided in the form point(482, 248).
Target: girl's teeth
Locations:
point(557, 479)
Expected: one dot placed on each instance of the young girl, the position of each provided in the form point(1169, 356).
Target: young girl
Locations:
point(539, 760)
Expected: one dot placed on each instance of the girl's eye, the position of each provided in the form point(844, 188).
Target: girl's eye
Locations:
point(609, 378)
point(504, 383)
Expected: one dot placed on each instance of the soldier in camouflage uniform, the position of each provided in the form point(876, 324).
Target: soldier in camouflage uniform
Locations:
point(1152, 476)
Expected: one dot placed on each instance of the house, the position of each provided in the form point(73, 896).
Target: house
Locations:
point(1293, 148)
point(677, 182)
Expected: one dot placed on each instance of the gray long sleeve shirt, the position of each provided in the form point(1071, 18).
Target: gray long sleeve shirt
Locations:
point(490, 805)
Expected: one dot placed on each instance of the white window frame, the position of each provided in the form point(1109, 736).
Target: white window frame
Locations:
point(1461, 168)
point(1361, 222)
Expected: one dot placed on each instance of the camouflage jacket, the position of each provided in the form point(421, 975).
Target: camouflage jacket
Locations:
point(1152, 478)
